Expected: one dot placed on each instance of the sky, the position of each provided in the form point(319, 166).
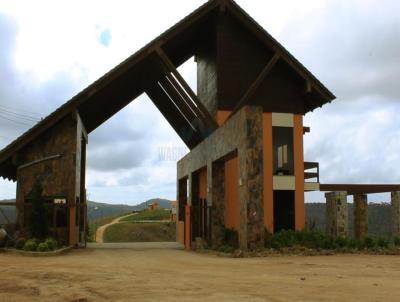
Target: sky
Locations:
point(51, 50)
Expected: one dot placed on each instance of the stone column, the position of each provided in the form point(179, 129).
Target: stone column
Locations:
point(395, 205)
point(216, 194)
point(360, 210)
point(251, 206)
point(336, 213)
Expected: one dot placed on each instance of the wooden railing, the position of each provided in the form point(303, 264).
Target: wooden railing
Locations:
point(314, 166)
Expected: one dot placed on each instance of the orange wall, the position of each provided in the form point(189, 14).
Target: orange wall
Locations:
point(203, 183)
point(299, 171)
point(72, 227)
point(267, 170)
point(222, 116)
point(231, 215)
point(188, 236)
point(181, 232)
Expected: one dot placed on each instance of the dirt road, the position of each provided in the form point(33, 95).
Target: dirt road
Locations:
point(100, 230)
point(173, 275)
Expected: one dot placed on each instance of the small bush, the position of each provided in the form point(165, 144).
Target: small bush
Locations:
point(396, 241)
point(353, 244)
point(226, 249)
point(10, 243)
point(231, 238)
point(20, 243)
point(341, 242)
point(268, 239)
point(51, 244)
point(382, 242)
point(43, 247)
point(30, 245)
point(369, 242)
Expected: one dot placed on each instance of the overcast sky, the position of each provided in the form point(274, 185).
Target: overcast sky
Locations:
point(51, 50)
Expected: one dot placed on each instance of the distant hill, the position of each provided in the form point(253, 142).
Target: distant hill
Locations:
point(95, 209)
point(379, 218)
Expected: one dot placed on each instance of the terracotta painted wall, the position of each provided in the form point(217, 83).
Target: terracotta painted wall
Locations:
point(268, 177)
point(181, 232)
point(231, 213)
point(203, 183)
point(298, 171)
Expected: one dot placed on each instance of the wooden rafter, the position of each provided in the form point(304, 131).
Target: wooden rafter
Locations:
point(253, 87)
point(203, 111)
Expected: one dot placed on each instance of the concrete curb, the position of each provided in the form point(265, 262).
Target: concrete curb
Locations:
point(37, 254)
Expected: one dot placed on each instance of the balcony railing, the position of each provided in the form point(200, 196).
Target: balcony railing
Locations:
point(314, 173)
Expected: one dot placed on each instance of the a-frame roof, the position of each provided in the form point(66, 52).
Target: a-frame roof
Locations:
point(152, 70)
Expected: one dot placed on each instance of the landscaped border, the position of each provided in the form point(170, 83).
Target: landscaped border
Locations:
point(57, 252)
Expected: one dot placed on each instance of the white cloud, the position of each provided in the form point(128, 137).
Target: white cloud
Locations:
point(51, 50)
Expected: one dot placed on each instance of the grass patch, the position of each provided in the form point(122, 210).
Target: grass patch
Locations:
point(94, 224)
point(156, 214)
point(140, 232)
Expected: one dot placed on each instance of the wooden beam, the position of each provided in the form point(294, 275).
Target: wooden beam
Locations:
point(360, 188)
point(181, 126)
point(253, 87)
point(40, 160)
point(171, 67)
point(273, 44)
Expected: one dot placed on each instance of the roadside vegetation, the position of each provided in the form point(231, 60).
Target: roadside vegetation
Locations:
point(288, 240)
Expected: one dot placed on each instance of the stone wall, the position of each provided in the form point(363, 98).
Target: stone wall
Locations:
point(360, 208)
point(59, 175)
point(395, 204)
point(242, 133)
point(336, 214)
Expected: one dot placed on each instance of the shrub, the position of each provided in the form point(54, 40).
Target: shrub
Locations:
point(341, 242)
point(51, 244)
point(396, 241)
point(30, 245)
point(284, 238)
point(369, 242)
point(10, 243)
point(353, 244)
point(231, 238)
point(20, 243)
point(43, 247)
point(268, 239)
point(226, 249)
point(382, 242)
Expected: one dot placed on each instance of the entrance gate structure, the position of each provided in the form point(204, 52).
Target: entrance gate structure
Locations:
point(244, 127)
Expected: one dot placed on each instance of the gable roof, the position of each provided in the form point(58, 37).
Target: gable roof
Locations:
point(127, 81)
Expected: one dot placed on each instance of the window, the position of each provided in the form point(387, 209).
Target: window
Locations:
point(282, 138)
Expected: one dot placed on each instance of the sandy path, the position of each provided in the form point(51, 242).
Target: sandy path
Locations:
point(173, 275)
point(100, 230)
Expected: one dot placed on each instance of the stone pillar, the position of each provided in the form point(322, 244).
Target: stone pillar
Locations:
point(216, 195)
point(395, 205)
point(360, 210)
point(336, 214)
point(251, 206)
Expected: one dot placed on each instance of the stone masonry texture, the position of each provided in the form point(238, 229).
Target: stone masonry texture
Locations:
point(395, 204)
point(336, 214)
point(360, 208)
point(242, 133)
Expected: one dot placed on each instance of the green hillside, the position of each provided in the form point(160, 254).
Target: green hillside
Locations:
point(379, 217)
point(95, 209)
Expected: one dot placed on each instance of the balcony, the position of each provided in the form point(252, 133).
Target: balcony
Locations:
point(311, 176)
